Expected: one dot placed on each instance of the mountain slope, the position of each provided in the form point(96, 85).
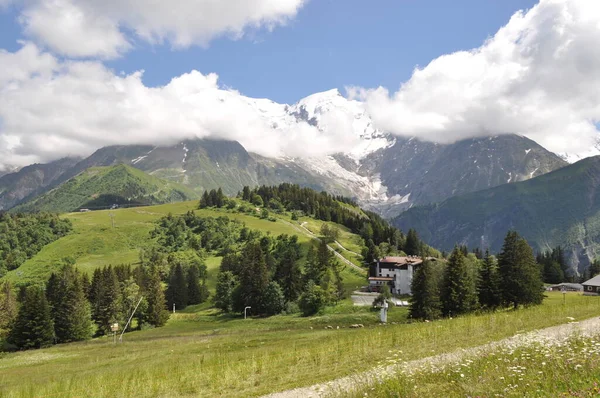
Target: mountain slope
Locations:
point(418, 173)
point(384, 173)
point(31, 180)
point(101, 187)
point(559, 208)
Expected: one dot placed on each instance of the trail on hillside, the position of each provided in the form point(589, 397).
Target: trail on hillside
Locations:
point(306, 231)
point(587, 328)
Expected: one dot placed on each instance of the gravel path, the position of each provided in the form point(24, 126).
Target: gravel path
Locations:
point(590, 327)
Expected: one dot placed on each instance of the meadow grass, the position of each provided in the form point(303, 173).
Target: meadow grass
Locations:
point(567, 367)
point(208, 354)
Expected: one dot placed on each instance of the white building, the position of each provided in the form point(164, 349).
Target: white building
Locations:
point(396, 272)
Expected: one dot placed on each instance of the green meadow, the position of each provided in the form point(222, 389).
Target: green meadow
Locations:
point(201, 352)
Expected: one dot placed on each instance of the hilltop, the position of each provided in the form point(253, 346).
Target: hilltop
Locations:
point(101, 187)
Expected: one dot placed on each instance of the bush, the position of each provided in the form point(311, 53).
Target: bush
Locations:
point(312, 300)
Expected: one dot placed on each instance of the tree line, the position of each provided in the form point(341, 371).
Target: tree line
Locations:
point(24, 235)
point(465, 283)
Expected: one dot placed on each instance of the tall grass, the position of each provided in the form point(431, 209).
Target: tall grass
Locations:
point(208, 355)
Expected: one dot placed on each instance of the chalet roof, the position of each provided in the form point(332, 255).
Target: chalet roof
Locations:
point(595, 281)
point(401, 260)
point(569, 285)
point(380, 278)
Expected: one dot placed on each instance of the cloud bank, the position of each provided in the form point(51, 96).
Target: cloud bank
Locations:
point(538, 76)
point(51, 108)
point(107, 28)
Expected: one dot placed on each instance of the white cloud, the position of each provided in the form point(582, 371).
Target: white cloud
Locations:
point(105, 29)
point(51, 108)
point(538, 76)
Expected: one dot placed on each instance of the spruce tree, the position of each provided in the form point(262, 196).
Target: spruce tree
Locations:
point(177, 292)
point(107, 300)
point(425, 302)
point(254, 278)
point(69, 307)
point(490, 292)
point(156, 313)
point(412, 247)
point(459, 294)
point(520, 274)
point(196, 292)
point(33, 327)
point(8, 305)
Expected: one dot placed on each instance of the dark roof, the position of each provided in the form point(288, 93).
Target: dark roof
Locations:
point(595, 281)
point(380, 278)
point(401, 260)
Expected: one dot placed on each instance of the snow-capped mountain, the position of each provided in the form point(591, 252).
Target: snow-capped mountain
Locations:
point(385, 173)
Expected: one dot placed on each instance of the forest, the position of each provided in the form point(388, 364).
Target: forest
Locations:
point(24, 235)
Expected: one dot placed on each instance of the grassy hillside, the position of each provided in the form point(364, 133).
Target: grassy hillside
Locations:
point(559, 208)
point(101, 187)
point(95, 243)
point(208, 355)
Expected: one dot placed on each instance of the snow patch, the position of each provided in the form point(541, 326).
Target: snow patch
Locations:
point(527, 151)
point(533, 172)
point(137, 160)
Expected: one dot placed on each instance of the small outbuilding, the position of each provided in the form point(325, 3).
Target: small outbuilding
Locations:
point(592, 287)
point(566, 287)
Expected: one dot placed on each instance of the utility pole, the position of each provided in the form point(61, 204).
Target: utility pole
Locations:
point(173, 308)
point(112, 219)
point(129, 321)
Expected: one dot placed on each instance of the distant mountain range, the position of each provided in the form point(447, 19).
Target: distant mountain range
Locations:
point(558, 208)
point(382, 172)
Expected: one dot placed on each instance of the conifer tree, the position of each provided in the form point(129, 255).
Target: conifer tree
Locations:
point(226, 283)
point(520, 275)
point(274, 300)
point(412, 247)
point(177, 292)
point(490, 292)
point(33, 327)
point(197, 293)
point(425, 302)
point(459, 294)
point(8, 305)
point(155, 314)
point(288, 273)
point(70, 309)
point(253, 277)
point(107, 304)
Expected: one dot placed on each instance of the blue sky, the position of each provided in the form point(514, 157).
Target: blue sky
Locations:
point(68, 83)
point(330, 44)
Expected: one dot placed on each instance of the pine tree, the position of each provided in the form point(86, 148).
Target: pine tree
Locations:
point(253, 277)
point(459, 294)
point(412, 247)
point(155, 314)
point(425, 302)
point(226, 283)
point(177, 292)
point(490, 292)
point(70, 309)
point(288, 273)
point(8, 305)
point(197, 293)
point(33, 327)
point(520, 274)
point(204, 200)
point(106, 304)
point(220, 198)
